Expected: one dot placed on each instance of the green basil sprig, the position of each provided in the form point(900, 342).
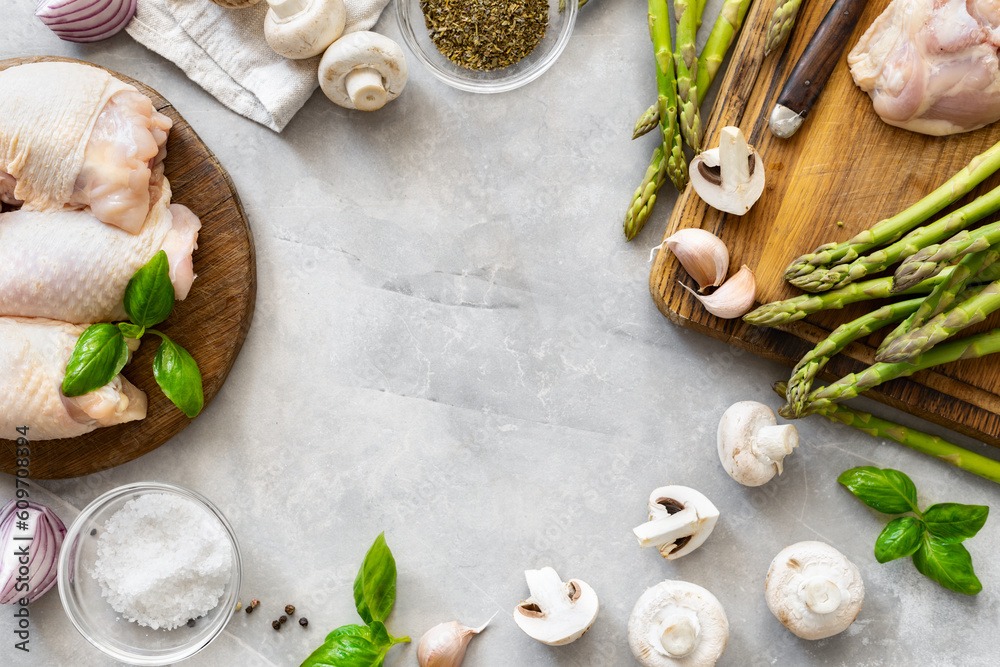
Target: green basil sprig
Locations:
point(932, 537)
point(101, 351)
point(374, 595)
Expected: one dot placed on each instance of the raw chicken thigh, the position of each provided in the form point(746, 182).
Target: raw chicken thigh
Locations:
point(74, 136)
point(931, 66)
point(71, 266)
point(33, 356)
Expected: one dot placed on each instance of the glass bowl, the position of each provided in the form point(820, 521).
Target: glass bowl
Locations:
point(94, 617)
point(529, 68)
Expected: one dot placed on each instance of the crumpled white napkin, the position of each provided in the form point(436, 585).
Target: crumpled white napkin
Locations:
point(224, 51)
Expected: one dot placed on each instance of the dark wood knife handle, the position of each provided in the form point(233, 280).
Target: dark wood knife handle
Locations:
point(812, 70)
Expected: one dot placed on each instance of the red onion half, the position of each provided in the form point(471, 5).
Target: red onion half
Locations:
point(85, 20)
point(42, 537)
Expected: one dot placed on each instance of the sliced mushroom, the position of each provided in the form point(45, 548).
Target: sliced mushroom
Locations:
point(363, 70)
point(731, 176)
point(814, 590)
point(751, 443)
point(557, 612)
point(678, 624)
point(303, 28)
point(680, 520)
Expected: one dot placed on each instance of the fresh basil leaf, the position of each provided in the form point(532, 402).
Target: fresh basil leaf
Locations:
point(130, 330)
point(899, 539)
point(375, 585)
point(363, 631)
point(149, 296)
point(949, 564)
point(99, 355)
point(954, 522)
point(885, 490)
point(177, 373)
point(381, 636)
point(347, 646)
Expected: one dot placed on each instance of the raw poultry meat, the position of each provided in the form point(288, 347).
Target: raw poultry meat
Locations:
point(70, 266)
point(75, 136)
point(931, 66)
point(33, 356)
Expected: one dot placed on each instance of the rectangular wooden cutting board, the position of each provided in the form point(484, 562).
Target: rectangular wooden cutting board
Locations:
point(843, 166)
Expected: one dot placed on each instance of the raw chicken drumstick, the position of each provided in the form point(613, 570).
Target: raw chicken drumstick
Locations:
point(73, 136)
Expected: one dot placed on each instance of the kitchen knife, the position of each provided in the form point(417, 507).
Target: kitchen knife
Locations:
point(814, 67)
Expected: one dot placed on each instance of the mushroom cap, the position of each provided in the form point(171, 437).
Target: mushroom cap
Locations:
point(814, 590)
point(557, 612)
point(738, 432)
point(694, 517)
point(359, 50)
point(307, 32)
point(680, 618)
point(707, 183)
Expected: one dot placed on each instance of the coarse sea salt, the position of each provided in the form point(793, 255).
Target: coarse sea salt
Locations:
point(162, 560)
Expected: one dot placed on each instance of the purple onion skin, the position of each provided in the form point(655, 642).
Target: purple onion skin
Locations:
point(85, 20)
point(43, 551)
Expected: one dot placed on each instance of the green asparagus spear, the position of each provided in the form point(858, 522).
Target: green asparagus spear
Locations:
point(666, 90)
point(781, 23)
point(921, 442)
point(944, 294)
point(933, 258)
point(686, 64)
point(649, 119)
point(891, 229)
point(964, 314)
point(724, 30)
point(851, 385)
point(645, 194)
point(812, 363)
point(823, 278)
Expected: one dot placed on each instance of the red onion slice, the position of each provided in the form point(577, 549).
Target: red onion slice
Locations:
point(85, 20)
point(46, 532)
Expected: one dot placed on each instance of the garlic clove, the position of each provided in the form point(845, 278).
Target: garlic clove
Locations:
point(734, 298)
point(702, 254)
point(444, 645)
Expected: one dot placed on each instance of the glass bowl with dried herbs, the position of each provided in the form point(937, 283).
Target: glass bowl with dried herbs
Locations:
point(486, 46)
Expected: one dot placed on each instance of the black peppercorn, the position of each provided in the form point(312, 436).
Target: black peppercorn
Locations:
point(190, 622)
point(282, 618)
point(303, 621)
point(93, 531)
point(276, 625)
point(249, 608)
point(289, 609)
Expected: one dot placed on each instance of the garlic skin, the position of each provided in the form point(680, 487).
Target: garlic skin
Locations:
point(702, 254)
point(734, 298)
point(444, 645)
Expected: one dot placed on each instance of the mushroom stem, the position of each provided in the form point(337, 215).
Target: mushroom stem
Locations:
point(679, 635)
point(366, 89)
point(775, 443)
point(667, 529)
point(820, 594)
point(284, 9)
point(733, 164)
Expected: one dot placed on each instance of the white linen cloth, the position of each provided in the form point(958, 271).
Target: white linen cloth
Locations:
point(224, 51)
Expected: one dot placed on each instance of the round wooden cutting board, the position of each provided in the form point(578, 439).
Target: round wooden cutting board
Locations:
point(211, 323)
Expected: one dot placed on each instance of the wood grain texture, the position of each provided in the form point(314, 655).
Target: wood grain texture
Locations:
point(843, 166)
point(211, 323)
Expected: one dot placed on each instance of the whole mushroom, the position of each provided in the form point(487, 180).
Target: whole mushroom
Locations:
point(814, 590)
point(680, 520)
point(557, 612)
point(363, 70)
point(678, 624)
point(751, 443)
point(303, 28)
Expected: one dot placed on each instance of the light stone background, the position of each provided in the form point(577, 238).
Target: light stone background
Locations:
point(453, 344)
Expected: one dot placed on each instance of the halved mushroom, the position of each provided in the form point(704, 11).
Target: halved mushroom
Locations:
point(557, 612)
point(752, 444)
point(303, 28)
point(680, 520)
point(731, 176)
point(363, 70)
point(814, 590)
point(678, 624)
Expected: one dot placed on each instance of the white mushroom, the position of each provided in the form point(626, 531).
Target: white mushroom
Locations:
point(363, 70)
point(731, 176)
point(680, 520)
point(677, 624)
point(752, 445)
point(557, 612)
point(303, 28)
point(814, 590)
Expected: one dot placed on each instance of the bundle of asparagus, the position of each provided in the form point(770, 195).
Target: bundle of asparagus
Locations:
point(682, 79)
point(954, 269)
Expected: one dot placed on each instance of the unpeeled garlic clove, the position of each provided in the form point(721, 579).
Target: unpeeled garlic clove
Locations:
point(702, 254)
point(734, 298)
point(444, 645)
